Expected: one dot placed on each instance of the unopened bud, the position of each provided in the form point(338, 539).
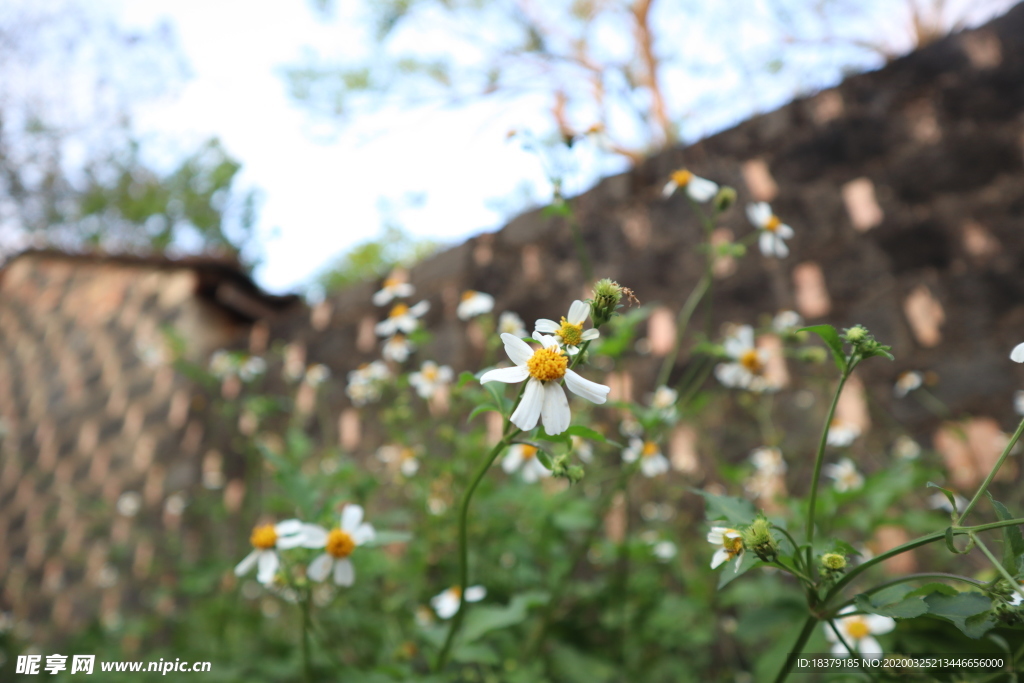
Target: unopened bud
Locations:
point(607, 296)
point(725, 198)
point(833, 562)
point(759, 539)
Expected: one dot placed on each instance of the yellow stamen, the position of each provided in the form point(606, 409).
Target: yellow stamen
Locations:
point(682, 177)
point(752, 361)
point(732, 542)
point(856, 628)
point(339, 544)
point(650, 448)
point(468, 294)
point(528, 451)
point(399, 309)
point(773, 223)
point(408, 454)
point(430, 373)
point(264, 537)
point(547, 364)
point(571, 334)
point(391, 282)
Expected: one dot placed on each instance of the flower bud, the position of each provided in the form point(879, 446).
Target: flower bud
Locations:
point(855, 334)
point(607, 295)
point(759, 539)
point(833, 562)
point(725, 198)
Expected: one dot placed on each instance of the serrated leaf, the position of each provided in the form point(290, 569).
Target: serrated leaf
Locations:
point(929, 588)
point(1013, 541)
point(895, 601)
point(968, 611)
point(736, 511)
point(845, 548)
point(831, 338)
point(728, 571)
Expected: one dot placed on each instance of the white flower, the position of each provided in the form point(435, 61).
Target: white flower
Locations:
point(402, 318)
point(1017, 355)
point(906, 448)
point(474, 304)
point(1017, 599)
point(699, 189)
point(773, 230)
point(858, 630)
point(768, 461)
point(397, 348)
point(845, 475)
point(544, 399)
point(524, 456)
point(906, 382)
point(512, 324)
point(317, 374)
point(582, 448)
point(338, 544)
point(402, 456)
point(786, 321)
point(365, 382)
point(664, 550)
point(1018, 402)
point(841, 433)
point(430, 378)
point(569, 332)
point(730, 545)
point(652, 462)
point(266, 541)
point(446, 603)
point(631, 427)
point(393, 288)
point(747, 371)
point(251, 368)
point(664, 401)
point(222, 364)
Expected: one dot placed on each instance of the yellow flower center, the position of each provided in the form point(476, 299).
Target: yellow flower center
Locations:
point(571, 334)
point(732, 542)
point(468, 294)
point(773, 223)
point(547, 364)
point(857, 628)
point(456, 592)
point(752, 361)
point(397, 310)
point(650, 448)
point(264, 537)
point(339, 544)
point(407, 454)
point(430, 373)
point(528, 451)
point(682, 177)
point(392, 282)
point(397, 338)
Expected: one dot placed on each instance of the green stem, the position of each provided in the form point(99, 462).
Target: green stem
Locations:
point(685, 313)
point(797, 648)
point(819, 459)
point(998, 565)
point(581, 246)
point(915, 577)
point(992, 473)
point(306, 665)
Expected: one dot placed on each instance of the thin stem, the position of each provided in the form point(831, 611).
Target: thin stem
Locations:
point(998, 565)
point(306, 665)
point(685, 313)
point(818, 461)
point(798, 646)
point(992, 473)
point(852, 651)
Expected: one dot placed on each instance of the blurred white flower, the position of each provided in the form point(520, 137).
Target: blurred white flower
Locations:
point(473, 304)
point(338, 544)
point(786, 321)
point(697, 188)
point(569, 332)
point(129, 504)
point(1017, 355)
point(749, 364)
point(266, 540)
point(401, 456)
point(664, 550)
point(906, 448)
point(523, 457)
point(397, 348)
point(768, 460)
point(858, 630)
point(773, 231)
point(402, 318)
point(729, 543)
point(906, 382)
point(430, 378)
point(446, 603)
point(652, 462)
point(316, 374)
point(510, 323)
point(251, 368)
point(582, 448)
point(393, 288)
point(845, 475)
point(365, 383)
point(222, 364)
point(664, 401)
point(841, 433)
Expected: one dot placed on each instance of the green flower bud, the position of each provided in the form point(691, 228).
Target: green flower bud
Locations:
point(833, 562)
point(864, 344)
point(856, 334)
point(725, 198)
point(607, 295)
point(759, 539)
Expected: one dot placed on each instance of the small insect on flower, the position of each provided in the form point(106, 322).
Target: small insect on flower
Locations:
point(841, 433)
point(446, 603)
point(543, 369)
point(652, 462)
point(773, 231)
point(907, 382)
point(266, 540)
point(430, 378)
point(473, 304)
point(393, 288)
point(858, 630)
point(338, 544)
point(402, 318)
point(509, 322)
point(845, 476)
point(729, 543)
point(569, 332)
point(397, 348)
point(523, 457)
point(749, 363)
point(697, 188)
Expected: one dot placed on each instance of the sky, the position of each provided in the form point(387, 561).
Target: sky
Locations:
point(450, 173)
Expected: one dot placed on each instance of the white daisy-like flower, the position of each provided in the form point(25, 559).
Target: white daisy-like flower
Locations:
point(473, 304)
point(858, 630)
point(664, 550)
point(664, 401)
point(222, 364)
point(251, 368)
point(397, 348)
point(907, 382)
point(749, 363)
point(338, 544)
point(365, 383)
point(402, 456)
point(512, 324)
point(699, 189)
point(729, 543)
point(773, 231)
point(906, 448)
point(446, 603)
point(786, 321)
point(1018, 402)
point(582, 448)
point(393, 288)
point(845, 475)
point(402, 318)
point(523, 457)
point(569, 332)
point(430, 378)
point(652, 462)
point(316, 374)
point(841, 433)
point(266, 540)
point(631, 427)
point(1017, 355)
point(543, 369)
point(768, 461)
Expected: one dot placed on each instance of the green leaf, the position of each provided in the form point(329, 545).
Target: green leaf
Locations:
point(729, 571)
point(736, 511)
point(389, 537)
point(562, 438)
point(952, 546)
point(544, 458)
point(497, 392)
point(486, 618)
point(831, 338)
point(968, 611)
point(465, 377)
point(1013, 541)
point(949, 494)
point(486, 407)
point(894, 601)
point(586, 433)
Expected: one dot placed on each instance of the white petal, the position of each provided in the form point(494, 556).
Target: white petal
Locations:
point(246, 565)
point(578, 312)
point(320, 567)
point(529, 475)
point(445, 604)
point(784, 231)
point(475, 594)
point(670, 187)
point(518, 351)
point(759, 213)
point(877, 624)
point(590, 335)
point(512, 375)
point(419, 309)
point(630, 454)
point(344, 572)
point(547, 326)
point(382, 297)
point(288, 527)
point(584, 388)
point(364, 533)
point(650, 467)
point(528, 412)
point(1017, 355)
point(720, 557)
point(781, 250)
point(268, 564)
point(839, 650)
point(701, 189)
point(555, 409)
point(868, 647)
point(766, 241)
point(351, 517)
point(313, 536)
point(513, 459)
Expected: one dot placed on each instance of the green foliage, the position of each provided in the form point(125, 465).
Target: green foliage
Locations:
point(374, 258)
